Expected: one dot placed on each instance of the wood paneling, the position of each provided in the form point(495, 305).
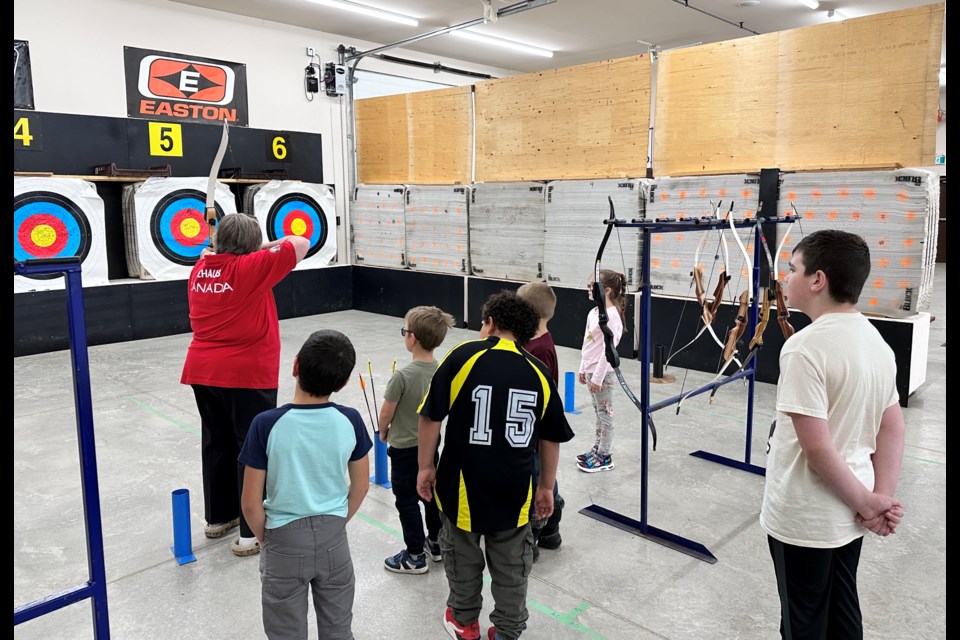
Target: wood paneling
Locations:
point(856, 94)
point(416, 138)
point(581, 122)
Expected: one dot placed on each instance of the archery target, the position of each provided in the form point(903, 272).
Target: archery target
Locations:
point(171, 229)
point(58, 218)
point(289, 208)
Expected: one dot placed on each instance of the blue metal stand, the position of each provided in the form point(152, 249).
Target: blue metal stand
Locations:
point(96, 586)
point(641, 527)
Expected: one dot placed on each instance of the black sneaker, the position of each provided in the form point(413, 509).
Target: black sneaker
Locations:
point(551, 541)
point(433, 550)
point(403, 562)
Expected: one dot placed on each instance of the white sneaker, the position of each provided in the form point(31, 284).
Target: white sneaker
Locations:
point(217, 530)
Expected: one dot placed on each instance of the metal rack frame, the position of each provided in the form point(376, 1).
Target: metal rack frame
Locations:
point(96, 586)
point(641, 527)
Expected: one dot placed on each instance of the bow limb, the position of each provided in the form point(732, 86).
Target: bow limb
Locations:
point(743, 249)
point(610, 350)
point(783, 313)
point(757, 340)
point(211, 209)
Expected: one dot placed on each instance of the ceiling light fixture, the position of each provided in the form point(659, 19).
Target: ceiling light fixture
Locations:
point(810, 4)
point(502, 42)
point(366, 10)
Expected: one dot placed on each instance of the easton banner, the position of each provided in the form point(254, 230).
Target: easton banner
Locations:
point(184, 88)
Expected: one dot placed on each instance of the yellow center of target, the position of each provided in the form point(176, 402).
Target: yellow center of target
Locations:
point(298, 226)
point(43, 235)
point(190, 228)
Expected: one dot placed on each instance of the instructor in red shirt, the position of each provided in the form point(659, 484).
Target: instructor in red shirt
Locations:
point(233, 362)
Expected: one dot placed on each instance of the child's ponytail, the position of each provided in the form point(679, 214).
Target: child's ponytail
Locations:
point(618, 290)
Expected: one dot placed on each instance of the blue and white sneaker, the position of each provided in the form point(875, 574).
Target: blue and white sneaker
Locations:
point(403, 562)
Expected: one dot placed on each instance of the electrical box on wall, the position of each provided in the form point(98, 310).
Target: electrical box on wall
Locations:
point(335, 79)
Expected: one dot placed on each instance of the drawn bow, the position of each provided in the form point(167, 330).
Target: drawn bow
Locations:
point(210, 213)
point(610, 350)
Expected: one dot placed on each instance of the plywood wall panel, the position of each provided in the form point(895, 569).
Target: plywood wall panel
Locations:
point(857, 94)
point(581, 122)
point(860, 93)
point(715, 107)
point(420, 138)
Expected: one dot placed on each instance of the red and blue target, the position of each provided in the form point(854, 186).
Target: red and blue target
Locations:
point(179, 227)
point(48, 225)
point(297, 214)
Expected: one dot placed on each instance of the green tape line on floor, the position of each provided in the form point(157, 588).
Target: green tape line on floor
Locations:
point(565, 619)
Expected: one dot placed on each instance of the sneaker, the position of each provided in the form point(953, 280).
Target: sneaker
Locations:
point(217, 530)
point(459, 631)
point(583, 456)
point(596, 463)
point(245, 547)
point(550, 541)
point(433, 550)
point(492, 634)
point(403, 562)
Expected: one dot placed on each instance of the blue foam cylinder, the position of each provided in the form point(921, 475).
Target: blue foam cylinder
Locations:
point(182, 546)
point(569, 389)
point(381, 475)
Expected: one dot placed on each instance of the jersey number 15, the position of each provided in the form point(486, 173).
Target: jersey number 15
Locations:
point(520, 416)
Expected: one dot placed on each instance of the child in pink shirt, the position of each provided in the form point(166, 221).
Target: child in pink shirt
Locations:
point(596, 372)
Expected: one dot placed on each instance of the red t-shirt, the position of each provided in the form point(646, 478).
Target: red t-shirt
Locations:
point(545, 351)
point(236, 332)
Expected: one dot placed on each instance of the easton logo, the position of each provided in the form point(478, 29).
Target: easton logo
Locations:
point(166, 78)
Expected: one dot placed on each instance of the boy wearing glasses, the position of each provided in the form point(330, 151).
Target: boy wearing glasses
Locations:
point(424, 328)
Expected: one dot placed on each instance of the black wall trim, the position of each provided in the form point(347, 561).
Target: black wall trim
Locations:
point(139, 310)
point(393, 292)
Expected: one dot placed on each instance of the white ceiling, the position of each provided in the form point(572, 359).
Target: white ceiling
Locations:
point(579, 31)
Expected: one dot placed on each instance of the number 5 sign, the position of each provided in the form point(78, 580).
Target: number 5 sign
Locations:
point(166, 139)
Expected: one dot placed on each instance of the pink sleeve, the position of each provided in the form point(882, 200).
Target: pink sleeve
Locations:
point(615, 324)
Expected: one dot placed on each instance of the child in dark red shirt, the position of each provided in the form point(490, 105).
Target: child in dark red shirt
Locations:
point(542, 298)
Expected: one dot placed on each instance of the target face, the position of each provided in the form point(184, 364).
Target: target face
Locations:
point(297, 214)
point(178, 226)
point(48, 225)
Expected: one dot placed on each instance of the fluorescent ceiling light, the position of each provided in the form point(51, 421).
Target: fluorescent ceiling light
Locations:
point(366, 10)
point(810, 4)
point(501, 42)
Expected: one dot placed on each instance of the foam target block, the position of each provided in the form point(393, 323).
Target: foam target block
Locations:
point(170, 227)
point(894, 211)
point(291, 208)
point(574, 215)
point(507, 229)
point(377, 226)
point(437, 228)
point(673, 254)
point(58, 218)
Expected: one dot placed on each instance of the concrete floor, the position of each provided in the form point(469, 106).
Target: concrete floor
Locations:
point(602, 583)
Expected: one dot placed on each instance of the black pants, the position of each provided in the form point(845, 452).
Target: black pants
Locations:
point(403, 479)
point(225, 417)
point(818, 591)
